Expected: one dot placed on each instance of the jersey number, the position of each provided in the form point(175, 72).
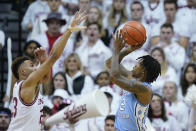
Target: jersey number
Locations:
point(15, 100)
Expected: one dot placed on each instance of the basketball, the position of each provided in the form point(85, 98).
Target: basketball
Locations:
point(135, 33)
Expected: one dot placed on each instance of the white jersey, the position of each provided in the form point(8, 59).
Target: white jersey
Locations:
point(25, 117)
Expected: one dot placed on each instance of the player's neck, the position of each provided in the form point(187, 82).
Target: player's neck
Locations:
point(72, 73)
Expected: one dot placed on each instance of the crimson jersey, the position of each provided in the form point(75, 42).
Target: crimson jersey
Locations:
point(25, 117)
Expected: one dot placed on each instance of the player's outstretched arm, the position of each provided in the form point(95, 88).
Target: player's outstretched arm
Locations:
point(29, 84)
point(142, 92)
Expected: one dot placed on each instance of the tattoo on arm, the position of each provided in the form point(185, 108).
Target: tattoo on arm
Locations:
point(136, 87)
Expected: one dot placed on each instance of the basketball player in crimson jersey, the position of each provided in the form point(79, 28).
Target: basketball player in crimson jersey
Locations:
point(27, 101)
point(137, 92)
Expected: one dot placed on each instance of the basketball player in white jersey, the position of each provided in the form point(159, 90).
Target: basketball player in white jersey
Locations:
point(27, 101)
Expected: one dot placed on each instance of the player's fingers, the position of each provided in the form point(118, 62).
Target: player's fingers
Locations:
point(83, 18)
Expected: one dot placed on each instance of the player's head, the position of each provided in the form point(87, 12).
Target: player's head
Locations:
point(170, 8)
point(137, 10)
point(147, 69)
point(93, 31)
point(22, 67)
point(167, 32)
point(30, 47)
point(157, 107)
point(170, 91)
point(5, 118)
point(109, 123)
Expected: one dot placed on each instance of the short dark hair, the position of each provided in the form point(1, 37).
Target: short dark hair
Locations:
point(5, 110)
point(47, 110)
point(171, 2)
point(168, 25)
point(137, 2)
point(17, 63)
point(163, 110)
point(110, 117)
point(95, 23)
point(151, 66)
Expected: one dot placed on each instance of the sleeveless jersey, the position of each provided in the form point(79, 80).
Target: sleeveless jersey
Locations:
point(25, 117)
point(131, 114)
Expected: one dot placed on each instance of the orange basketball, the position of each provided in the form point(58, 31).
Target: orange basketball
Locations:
point(135, 33)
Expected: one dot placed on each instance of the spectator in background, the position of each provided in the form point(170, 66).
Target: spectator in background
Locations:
point(57, 99)
point(33, 12)
point(181, 33)
point(174, 106)
point(175, 54)
point(158, 117)
point(188, 77)
point(84, 5)
point(2, 39)
point(109, 123)
point(5, 118)
point(103, 5)
point(78, 83)
point(95, 15)
point(192, 58)
point(137, 13)
point(47, 112)
point(92, 51)
point(167, 72)
point(48, 39)
point(59, 81)
point(154, 14)
point(29, 49)
point(116, 16)
point(40, 26)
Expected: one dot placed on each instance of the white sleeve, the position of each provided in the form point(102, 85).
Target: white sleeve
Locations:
point(2, 38)
point(191, 120)
point(174, 126)
point(155, 31)
point(176, 61)
point(27, 17)
point(183, 116)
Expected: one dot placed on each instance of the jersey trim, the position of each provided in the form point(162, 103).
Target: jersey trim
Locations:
point(26, 104)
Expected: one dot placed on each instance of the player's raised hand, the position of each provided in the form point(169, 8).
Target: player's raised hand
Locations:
point(40, 54)
point(119, 41)
point(78, 18)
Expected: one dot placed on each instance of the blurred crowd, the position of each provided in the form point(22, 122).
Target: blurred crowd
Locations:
point(171, 39)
